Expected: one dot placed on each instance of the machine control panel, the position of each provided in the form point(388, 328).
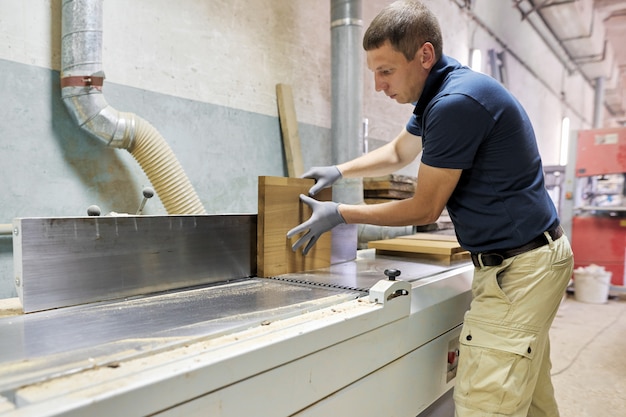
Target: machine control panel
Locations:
point(453, 359)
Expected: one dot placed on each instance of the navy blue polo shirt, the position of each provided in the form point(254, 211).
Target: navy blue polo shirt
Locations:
point(469, 121)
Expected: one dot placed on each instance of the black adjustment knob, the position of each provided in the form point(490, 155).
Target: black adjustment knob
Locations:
point(392, 274)
point(93, 210)
point(147, 192)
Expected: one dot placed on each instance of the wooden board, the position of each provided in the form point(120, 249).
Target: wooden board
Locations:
point(391, 186)
point(378, 200)
point(386, 185)
point(289, 129)
point(430, 236)
point(434, 247)
point(390, 182)
point(392, 178)
point(280, 210)
point(445, 259)
point(438, 248)
point(389, 194)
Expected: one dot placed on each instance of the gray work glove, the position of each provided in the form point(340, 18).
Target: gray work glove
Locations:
point(325, 216)
point(323, 176)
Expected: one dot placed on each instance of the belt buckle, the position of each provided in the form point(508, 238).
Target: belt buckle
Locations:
point(487, 259)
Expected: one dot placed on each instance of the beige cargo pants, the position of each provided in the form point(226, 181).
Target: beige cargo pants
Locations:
point(504, 360)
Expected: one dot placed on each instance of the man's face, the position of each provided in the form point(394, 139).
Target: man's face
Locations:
point(398, 78)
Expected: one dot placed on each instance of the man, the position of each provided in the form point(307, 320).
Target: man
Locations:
point(480, 160)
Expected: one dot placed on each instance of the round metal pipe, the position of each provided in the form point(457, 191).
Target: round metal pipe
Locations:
point(598, 103)
point(347, 93)
point(81, 56)
point(81, 82)
point(347, 80)
point(346, 112)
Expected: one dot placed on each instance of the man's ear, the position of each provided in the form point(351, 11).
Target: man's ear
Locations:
point(427, 55)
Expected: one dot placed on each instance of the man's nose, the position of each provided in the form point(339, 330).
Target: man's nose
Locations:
point(379, 85)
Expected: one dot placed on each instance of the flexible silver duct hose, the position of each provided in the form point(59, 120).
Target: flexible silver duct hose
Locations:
point(81, 82)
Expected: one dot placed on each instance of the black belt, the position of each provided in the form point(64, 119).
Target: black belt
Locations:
point(495, 258)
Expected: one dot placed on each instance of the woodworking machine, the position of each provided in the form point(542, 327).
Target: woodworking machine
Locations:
point(164, 315)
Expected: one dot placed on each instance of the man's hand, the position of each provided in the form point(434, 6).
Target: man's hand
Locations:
point(325, 216)
point(323, 176)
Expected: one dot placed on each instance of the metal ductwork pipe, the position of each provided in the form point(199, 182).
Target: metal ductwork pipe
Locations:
point(346, 109)
point(81, 88)
point(598, 103)
point(347, 125)
point(347, 88)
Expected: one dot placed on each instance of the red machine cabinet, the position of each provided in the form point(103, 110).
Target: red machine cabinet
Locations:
point(601, 151)
point(600, 241)
point(599, 233)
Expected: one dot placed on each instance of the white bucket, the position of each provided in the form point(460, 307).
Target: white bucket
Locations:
point(591, 285)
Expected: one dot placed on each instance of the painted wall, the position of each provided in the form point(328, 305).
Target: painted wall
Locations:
point(204, 74)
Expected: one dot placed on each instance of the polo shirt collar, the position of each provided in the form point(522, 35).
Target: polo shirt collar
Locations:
point(433, 82)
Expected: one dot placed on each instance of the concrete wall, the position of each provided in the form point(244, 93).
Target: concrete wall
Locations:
point(204, 74)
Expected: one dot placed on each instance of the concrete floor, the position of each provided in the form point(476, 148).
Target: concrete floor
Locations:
point(589, 358)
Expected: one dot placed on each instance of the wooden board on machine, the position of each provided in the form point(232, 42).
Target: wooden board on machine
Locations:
point(289, 130)
point(388, 187)
point(280, 210)
point(443, 248)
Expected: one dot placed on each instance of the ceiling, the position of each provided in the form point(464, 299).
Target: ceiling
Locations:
point(591, 36)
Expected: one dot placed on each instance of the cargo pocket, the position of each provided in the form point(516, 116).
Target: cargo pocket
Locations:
point(494, 367)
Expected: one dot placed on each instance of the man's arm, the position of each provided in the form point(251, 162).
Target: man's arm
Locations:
point(433, 189)
point(387, 159)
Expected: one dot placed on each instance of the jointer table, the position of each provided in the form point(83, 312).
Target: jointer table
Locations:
point(211, 338)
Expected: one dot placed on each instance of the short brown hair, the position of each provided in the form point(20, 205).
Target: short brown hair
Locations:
point(407, 25)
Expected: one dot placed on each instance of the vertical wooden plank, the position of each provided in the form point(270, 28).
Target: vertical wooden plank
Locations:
point(280, 210)
point(289, 129)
